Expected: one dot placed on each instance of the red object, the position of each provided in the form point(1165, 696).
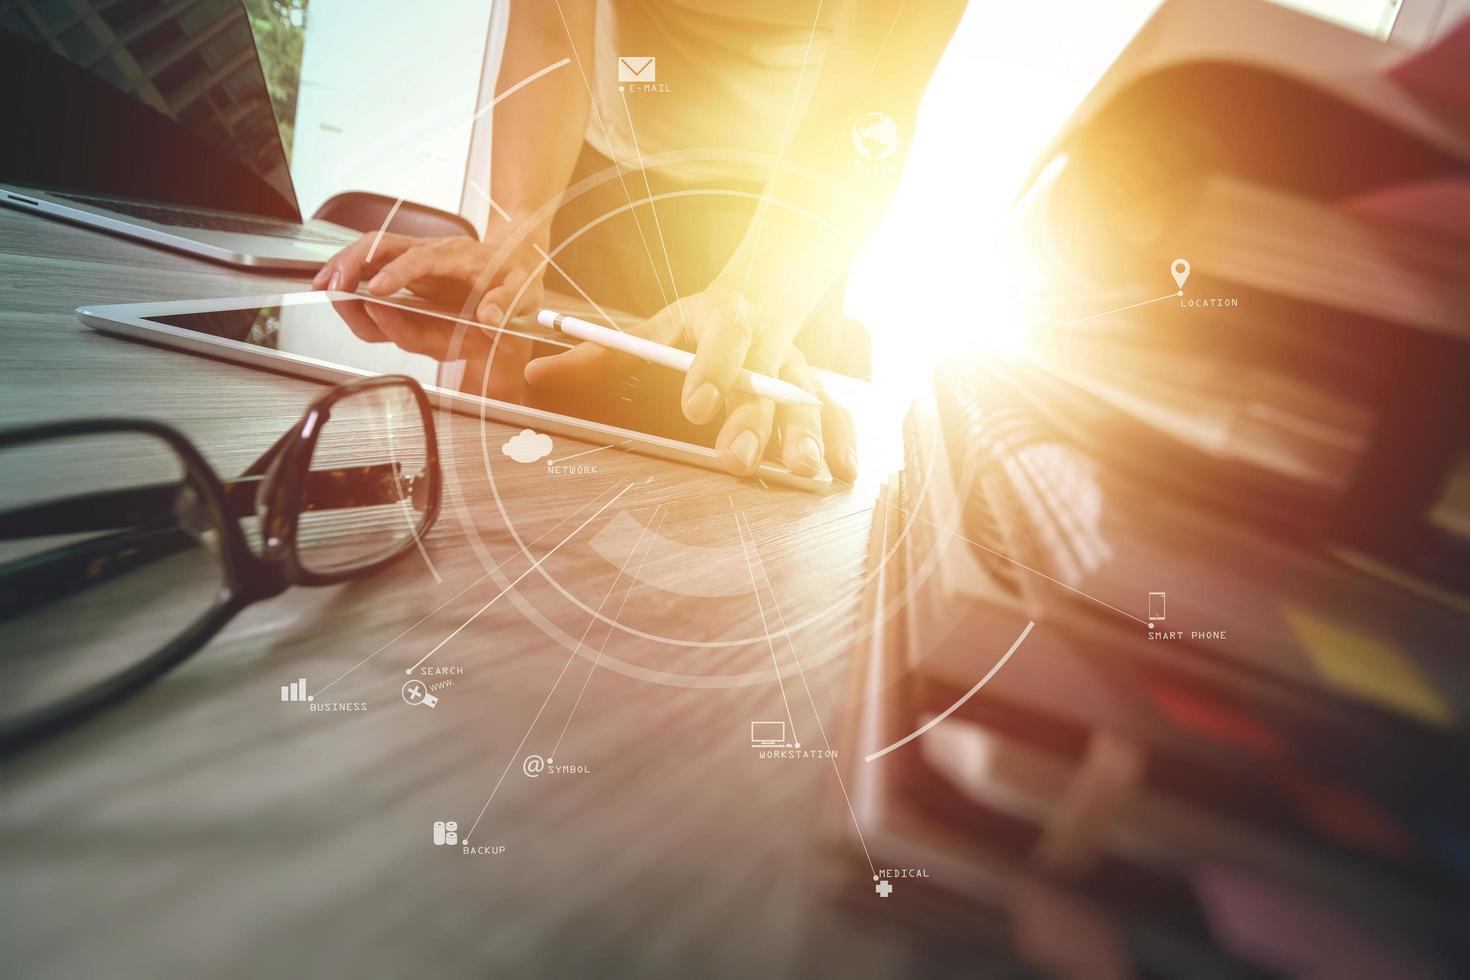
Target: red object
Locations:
point(1438, 72)
point(1196, 708)
point(1440, 206)
point(1347, 816)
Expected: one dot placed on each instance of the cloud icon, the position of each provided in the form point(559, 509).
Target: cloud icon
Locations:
point(527, 447)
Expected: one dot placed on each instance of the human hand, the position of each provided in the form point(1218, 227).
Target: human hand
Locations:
point(723, 330)
point(492, 362)
point(417, 333)
point(443, 270)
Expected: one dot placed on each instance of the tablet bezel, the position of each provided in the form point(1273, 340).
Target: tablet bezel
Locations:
point(134, 322)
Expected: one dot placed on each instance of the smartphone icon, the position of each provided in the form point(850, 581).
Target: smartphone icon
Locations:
point(1156, 606)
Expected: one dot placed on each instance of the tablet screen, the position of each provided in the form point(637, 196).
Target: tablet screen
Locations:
point(440, 352)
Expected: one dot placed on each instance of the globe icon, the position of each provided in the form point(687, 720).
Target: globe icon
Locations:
point(875, 136)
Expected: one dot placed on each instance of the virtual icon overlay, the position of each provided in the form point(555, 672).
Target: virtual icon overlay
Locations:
point(767, 431)
point(417, 693)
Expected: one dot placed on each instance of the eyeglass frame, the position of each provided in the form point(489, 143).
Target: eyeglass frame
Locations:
point(248, 577)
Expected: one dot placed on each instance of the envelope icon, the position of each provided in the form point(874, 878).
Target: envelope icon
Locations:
point(636, 69)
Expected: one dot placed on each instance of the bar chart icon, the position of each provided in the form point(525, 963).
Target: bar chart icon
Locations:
point(295, 691)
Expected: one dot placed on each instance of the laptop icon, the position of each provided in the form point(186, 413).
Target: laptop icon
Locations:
point(637, 69)
point(767, 734)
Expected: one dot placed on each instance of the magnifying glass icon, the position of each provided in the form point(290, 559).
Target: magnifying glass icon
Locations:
point(414, 692)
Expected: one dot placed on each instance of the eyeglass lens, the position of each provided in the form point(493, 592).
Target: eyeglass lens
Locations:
point(107, 553)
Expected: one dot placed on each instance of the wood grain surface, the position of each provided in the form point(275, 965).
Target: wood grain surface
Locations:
point(205, 827)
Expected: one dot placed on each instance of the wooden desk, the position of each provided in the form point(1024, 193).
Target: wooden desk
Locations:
point(206, 827)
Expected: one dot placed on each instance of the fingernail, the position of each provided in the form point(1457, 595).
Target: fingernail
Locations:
point(336, 282)
point(849, 463)
point(745, 446)
point(700, 407)
point(809, 452)
point(493, 314)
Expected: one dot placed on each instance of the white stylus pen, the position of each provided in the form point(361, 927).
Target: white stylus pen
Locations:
point(763, 385)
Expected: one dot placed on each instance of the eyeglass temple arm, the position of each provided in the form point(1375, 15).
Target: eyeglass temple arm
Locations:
point(264, 460)
point(137, 507)
point(154, 506)
point(36, 580)
point(44, 577)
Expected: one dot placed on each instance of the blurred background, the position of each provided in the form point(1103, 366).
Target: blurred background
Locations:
point(347, 124)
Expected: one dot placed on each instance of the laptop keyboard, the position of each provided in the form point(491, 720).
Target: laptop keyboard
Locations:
point(241, 224)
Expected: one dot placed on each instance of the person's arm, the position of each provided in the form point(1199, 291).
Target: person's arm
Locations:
point(541, 127)
point(880, 59)
point(817, 210)
point(543, 124)
point(538, 134)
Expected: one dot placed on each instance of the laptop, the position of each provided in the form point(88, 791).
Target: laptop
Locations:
point(151, 119)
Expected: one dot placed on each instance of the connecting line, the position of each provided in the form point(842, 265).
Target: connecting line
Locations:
point(1131, 306)
point(607, 141)
point(836, 770)
point(549, 694)
point(405, 632)
point(877, 59)
point(760, 216)
point(580, 291)
point(648, 189)
point(534, 565)
point(637, 577)
point(483, 576)
point(1033, 571)
point(393, 211)
point(755, 590)
point(955, 707)
point(588, 452)
point(504, 215)
point(792, 275)
point(413, 529)
point(407, 509)
point(518, 86)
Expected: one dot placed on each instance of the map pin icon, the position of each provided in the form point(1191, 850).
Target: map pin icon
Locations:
point(1179, 269)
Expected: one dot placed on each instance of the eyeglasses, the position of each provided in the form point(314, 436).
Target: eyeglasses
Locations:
point(122, 552)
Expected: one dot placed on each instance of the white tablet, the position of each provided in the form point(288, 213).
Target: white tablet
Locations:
point(464, 366)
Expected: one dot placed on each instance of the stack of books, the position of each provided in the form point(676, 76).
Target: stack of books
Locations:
point(1163, 665)
point(1313, 187)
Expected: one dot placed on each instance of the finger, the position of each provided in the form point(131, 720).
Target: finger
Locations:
point(348, 267)
point(498, 299)
point(332, 268)
point(841, 439)
point(531, 298)
point(584, 365)
point(415, 335)
point(838, 434)
point(421, 261)
point(720, 353)
point(800, 426)
point(358, 321)
point(741, 444)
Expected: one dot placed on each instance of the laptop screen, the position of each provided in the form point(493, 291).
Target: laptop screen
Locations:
point(151, 99)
